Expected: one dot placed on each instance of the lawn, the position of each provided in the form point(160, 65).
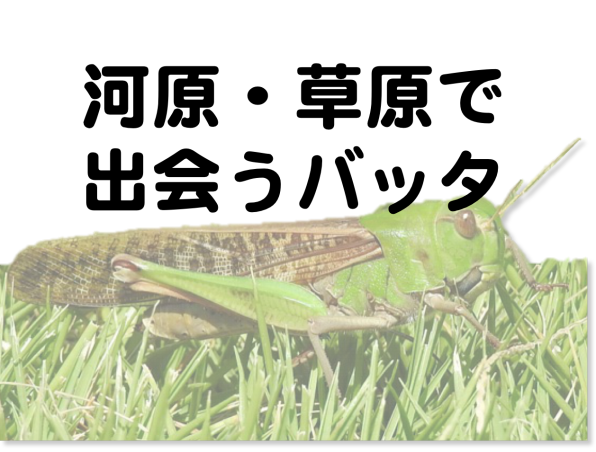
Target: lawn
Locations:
point(74, 374)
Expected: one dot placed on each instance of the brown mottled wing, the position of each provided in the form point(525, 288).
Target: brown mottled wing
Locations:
point(77, 270)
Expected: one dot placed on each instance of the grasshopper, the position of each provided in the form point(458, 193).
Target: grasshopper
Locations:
point(310, 278)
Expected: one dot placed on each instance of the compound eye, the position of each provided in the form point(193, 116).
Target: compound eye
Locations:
point(465, 224)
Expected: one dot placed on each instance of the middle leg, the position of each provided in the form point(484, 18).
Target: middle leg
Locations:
point(439, 303)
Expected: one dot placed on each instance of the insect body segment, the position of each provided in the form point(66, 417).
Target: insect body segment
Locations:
point(431, 245)
point(183, 320)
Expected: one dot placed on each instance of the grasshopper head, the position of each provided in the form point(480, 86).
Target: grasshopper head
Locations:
point(427, 246)
point(472, 245)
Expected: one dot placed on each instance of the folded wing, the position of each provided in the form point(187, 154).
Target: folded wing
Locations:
point(77, 270)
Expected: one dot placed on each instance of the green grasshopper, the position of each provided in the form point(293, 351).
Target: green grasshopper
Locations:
point(311, 278)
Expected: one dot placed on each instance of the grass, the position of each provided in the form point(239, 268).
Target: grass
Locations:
point(72, 374)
